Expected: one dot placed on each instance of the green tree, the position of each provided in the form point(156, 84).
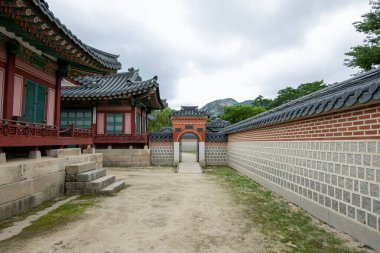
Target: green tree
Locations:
point(308, 88)
point(237, 113)
point(289, 94)
point(284, 96)
point(162, 120)
point(367, 55)
point(262, 102)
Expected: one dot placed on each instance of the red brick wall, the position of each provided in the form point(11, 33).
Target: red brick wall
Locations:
point(359, 123)
point(196, 122)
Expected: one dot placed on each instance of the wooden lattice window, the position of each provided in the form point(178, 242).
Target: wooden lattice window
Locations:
point(114, 123)
point(81, 118)
point(138, 124)
point(143, 125)
point(35, 102)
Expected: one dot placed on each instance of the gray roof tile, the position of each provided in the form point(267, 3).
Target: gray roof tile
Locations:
point(358, 90)
point(105, 59)
point(122, 84)
point(189, 111)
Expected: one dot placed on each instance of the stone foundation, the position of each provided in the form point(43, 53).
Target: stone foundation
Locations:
point(336, 181)
point(125, 157)
point(27, 183)
point(216, 153)
point(162, 153)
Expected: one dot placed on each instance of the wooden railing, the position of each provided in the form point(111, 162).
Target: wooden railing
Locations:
point(76, 132)
point(21, 128)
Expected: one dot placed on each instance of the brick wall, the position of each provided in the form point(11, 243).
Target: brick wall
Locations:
point(359, 123)
point(216, 153)
point(329, 165)
point(162, 153)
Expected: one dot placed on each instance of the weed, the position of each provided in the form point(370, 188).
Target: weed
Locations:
point(276, 218)
point(58, 217)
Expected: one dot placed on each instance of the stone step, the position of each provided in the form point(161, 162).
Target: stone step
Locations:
point(189, 168)
point(99, 183)
point(90, 175)
point(78, 168)
point(112, 188)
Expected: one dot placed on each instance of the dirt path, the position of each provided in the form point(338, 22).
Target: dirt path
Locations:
point(161, 211)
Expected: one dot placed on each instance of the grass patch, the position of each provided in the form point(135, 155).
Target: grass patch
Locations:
point(276, 218)
point(61, 216)
point(21, 216)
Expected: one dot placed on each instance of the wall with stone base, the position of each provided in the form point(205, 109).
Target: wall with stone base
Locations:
point(337, 181)
point(216, 153)
point(125, 157)
point(329, 165)
point(27, 183)
point(162, 153)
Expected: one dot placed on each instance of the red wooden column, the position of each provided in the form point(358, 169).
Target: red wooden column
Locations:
point(57, 116)
point(133, 122)
point(146, 129)
point(9, 85)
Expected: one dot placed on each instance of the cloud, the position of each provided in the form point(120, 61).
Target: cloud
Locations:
point(206, 50)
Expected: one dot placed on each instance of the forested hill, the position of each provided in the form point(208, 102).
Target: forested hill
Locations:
point(215, 108)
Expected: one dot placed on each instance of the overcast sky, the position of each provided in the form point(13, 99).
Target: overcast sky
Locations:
point(202, 50)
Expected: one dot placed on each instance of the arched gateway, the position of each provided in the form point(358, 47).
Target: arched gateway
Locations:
point(189, 120)
point(211, 143)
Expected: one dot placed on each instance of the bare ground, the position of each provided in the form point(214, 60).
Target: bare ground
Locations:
point(161, 211)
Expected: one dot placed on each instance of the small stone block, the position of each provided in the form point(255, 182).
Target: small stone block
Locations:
point(3, 158)
point(74, 185)
point(361, 216)
point(35, 154)
point(376, 206)
point(366, 203)
point(70, 178)
point(372, 221)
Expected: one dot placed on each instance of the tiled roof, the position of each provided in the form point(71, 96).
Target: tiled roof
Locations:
point(108, 86)
point(165, 134)
point(217, 124)
point(105, 59)
point(358, 90)
point(189, 111)
point(121, 85)
point(216, 137)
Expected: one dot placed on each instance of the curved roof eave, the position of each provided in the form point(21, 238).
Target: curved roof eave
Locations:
point(107, 60)
point(357, 90)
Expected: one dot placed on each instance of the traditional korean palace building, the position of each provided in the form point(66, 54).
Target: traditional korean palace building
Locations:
point(42, 62)
point(115, 106)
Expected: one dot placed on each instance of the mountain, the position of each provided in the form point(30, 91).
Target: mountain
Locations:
point(215, 108)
